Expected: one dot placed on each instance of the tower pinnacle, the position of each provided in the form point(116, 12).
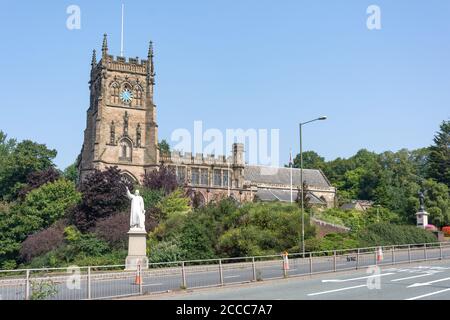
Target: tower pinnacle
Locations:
point(94, 59)
point(105, 45)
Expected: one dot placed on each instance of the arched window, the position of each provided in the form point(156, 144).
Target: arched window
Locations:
point(137, 96)
point(115, 93)
point(128, 178)
point(126, 150)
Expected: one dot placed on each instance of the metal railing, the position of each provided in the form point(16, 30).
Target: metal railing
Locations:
point(106, 282)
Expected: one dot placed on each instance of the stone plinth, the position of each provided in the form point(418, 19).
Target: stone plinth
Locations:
point(137, 250)
point(422, 219)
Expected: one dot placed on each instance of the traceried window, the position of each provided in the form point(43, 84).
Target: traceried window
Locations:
point(226, 178)
point(181, 175)
point(137, 96)
point(204, 177)
point(195, 176)
point(217, 177)
point(115, 93)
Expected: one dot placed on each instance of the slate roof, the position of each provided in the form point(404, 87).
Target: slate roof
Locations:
point(281, 176)
point(285, 196)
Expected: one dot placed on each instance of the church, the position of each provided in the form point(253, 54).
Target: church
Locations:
point(121, 130)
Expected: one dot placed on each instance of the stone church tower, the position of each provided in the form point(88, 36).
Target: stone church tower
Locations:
point(121, 131)
point(121, 127)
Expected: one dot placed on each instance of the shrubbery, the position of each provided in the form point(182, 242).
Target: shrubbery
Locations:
point(104, 194)
point(380, 234)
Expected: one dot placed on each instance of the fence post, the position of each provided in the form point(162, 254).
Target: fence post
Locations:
point(334, 261)
point(310, 263)
point(440, 251)
point(425, 252)
point(376, 256)
point(27, 285)
point(220, 272)
point(141, 292)
point(357, 259)
point(89, 283)
point(254, 268)
point(409, 253)
point(393, 255)
point(183, 276)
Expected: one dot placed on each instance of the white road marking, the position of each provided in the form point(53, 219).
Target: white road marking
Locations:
point(360, 278)
point(428, 294)
point(226, 277)
point(427, 283)
point(412, 277)
point(152, 284)
point(336, 290)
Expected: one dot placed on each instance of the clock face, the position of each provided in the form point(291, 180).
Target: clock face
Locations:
point(126, 96)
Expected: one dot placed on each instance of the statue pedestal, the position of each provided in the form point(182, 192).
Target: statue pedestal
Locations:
point(137, 250)
point(422, 219)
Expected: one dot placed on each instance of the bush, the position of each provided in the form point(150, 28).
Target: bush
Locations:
point(104, 193)
point(165, 251)
point(49, 202)
point(39, 178)
point(161, 179)
point(42, 242)
point(114, 229)
point(389, 234)
point(446, 231)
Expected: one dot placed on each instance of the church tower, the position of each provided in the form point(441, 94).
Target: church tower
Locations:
point(121, 127)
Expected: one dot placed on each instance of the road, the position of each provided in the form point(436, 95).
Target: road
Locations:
point(117, 283)
point(418, 281)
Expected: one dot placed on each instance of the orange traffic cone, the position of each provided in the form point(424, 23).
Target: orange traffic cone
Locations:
point(285, 261)
point(138, 278)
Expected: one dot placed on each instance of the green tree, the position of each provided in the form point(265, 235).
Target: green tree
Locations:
point(437, 202)
point(311, 160)
point(50, 202)
point(175, 202)
point(18, 161)
point(439, 158)
point(164, 147)
point(71, 173)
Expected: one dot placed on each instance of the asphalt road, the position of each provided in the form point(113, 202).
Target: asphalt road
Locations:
point(417, 281)
point(121, 283)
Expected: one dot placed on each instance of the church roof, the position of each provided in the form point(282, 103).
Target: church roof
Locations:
point(281, 176)
point(285, 196)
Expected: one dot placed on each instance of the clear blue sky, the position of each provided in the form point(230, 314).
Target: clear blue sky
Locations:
point(238, 64)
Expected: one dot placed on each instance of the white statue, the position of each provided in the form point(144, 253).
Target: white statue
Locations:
point(137, 217)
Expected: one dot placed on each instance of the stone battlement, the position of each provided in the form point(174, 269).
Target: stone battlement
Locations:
point(199, 158)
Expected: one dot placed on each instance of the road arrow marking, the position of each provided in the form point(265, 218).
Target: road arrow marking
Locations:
point(427, 283)
point(360, 278)
point(412, 277)
point(428, 294)
point(335, 290)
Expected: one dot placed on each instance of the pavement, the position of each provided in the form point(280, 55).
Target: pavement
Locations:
point(417, 281)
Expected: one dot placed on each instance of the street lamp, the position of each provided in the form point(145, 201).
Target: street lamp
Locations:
point(301, 179)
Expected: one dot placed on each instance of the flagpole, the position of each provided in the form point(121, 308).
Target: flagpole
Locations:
point(121, 36)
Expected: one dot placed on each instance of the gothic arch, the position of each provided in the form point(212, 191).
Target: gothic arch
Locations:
point(199, 199)
point(129, 177)
point(115, 91)
point(138, 95)
point(126, 149)
point(126, 85)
